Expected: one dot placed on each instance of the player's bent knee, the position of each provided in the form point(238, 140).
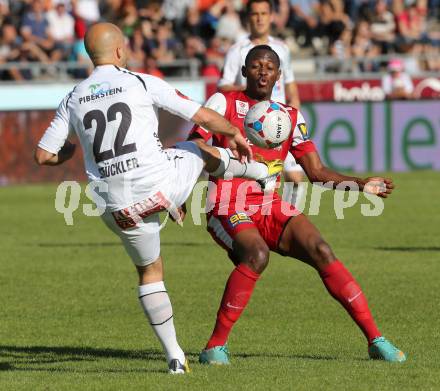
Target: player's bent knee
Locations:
point(147, 267)
point(258, 257)
point(151, 272)
point(324, 252)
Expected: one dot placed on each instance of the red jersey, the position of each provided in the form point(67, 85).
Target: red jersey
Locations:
point(227, 194)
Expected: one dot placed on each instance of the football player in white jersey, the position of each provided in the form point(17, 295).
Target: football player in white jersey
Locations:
point(114, 114)
point(260, 16)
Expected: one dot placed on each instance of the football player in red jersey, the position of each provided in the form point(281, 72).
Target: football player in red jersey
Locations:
point(249, 224)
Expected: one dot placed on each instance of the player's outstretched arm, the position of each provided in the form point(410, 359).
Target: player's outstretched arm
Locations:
point(214, 122)
point(317, 172)
point(43, 157)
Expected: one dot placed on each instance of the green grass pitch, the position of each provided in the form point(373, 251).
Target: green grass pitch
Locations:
point(70, 319)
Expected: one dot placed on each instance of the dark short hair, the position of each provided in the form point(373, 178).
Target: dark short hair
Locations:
point(259, 48)
point(250, 2)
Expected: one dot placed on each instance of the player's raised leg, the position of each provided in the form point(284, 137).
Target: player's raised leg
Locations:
point(302, 240)
point(221, 162)
point(250, 253)
point(142, 244)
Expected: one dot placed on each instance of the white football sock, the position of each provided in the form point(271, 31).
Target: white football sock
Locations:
point(230, 167)
point(157, 306)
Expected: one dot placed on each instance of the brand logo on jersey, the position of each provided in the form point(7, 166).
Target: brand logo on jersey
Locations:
point(100, 92)
point(303, 129)
point(100, 88)
point(241, 107)
point(239, 218)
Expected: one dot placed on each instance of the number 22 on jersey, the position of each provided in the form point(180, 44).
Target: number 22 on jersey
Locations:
point(101, 119)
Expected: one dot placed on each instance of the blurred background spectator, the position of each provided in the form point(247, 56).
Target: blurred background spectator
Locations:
point(304, 20)
point(88, 10)
point(61, 27)
point(365, 48)
point(383, 27)
point(11, 49)
point(397, 84)
point(35, 29)
point(160, 33)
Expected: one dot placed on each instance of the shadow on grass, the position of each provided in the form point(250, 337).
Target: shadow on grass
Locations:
point(112, 244)
point(12, 368)
point(285, 356)
point(72, 353)
point(27, 358)
point(409, 248)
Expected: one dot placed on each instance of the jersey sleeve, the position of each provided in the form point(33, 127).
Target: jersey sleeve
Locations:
point(170, 99)
point(232, 67)
point(301, 143)
point(59, 129)
point(216, 102)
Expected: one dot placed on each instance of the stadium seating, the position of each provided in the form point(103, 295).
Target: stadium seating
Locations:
point(174, 38)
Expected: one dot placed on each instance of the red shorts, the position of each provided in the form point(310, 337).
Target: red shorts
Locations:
point(270, 220)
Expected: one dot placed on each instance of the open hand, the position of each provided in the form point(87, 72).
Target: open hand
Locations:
point(382, 187)
point(240, 148)
point(181, 211)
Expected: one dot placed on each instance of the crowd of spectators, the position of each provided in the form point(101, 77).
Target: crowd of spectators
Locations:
point(163, 31)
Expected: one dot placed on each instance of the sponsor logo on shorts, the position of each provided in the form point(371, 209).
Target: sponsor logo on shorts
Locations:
point(129, 217)
point(239, 218)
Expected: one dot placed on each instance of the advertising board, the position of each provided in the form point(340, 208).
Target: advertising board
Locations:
point(385, 136)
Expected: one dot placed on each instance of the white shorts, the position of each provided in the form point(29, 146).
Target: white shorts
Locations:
point(186, 167)
point(142, 242)
point(290, 164)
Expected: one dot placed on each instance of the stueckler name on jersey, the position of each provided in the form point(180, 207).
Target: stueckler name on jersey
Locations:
point(101, 93)
point(118, 168)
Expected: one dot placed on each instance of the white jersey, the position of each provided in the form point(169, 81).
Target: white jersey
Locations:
point(235, 60)
point(114, 114)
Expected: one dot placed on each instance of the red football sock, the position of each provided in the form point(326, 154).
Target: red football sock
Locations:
point(237, 293)
point(344, 288)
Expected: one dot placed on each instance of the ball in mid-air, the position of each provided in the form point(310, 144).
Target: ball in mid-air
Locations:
point(267, 124)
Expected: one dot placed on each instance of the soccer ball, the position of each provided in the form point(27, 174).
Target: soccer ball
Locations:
point(267, 124)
